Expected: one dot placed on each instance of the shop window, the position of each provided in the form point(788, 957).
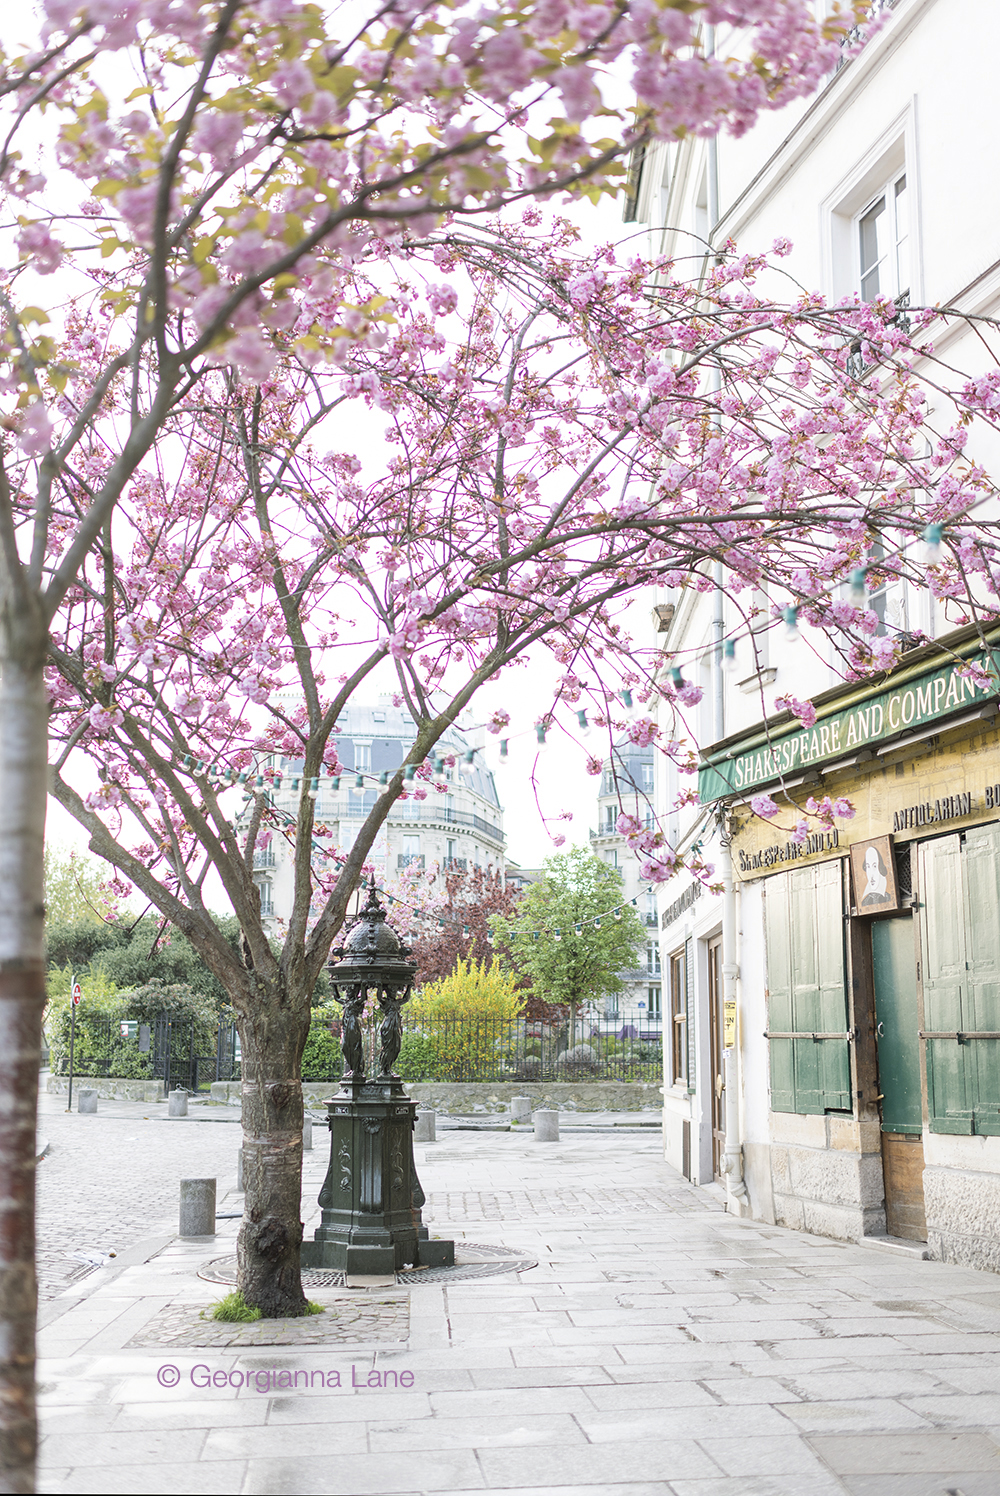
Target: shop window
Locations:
point(807, 995)
point(960, 940)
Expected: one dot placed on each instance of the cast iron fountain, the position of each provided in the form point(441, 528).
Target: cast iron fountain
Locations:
point(371, 1197)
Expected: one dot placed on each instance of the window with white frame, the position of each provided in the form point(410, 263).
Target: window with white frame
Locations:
point(883, 242)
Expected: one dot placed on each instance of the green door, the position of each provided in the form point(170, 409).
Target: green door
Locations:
point(894, 963)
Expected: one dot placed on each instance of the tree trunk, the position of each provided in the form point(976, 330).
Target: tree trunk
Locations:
point(272, 1035)
point(23, 756)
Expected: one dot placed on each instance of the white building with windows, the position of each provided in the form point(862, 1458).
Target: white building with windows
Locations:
point(454, 831)
point(627, 783)
point(789, 1006)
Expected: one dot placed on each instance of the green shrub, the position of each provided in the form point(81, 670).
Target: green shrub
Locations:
point(417, 1058)
point(321, 1058)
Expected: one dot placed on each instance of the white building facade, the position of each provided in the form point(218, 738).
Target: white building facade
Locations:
point(627, 782)
point(786, 1002)
point(455, 831)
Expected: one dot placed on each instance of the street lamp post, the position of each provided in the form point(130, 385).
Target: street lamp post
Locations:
point(371, 1196)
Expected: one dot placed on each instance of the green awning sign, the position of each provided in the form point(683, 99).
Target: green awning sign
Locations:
point(878, 717)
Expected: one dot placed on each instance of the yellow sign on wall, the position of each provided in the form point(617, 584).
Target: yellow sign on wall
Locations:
point(947, 788)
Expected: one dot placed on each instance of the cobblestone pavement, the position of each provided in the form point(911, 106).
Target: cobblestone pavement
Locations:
point(112, 1178)
point(667, 1352)
point(342, 1322)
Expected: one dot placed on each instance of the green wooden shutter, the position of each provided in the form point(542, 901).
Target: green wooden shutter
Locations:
point(981, 867)
point(777, 923)
point(960, 900)
point(942, 933)
point(807, 991)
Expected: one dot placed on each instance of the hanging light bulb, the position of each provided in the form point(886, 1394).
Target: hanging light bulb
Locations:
point(729, 655)
point(334, 784)
point(676, 677)
point(468, 762)
point(259, 782)
point(858, 594)
point(577, 929)
point(791, 617)
point(277, 781)
point(933, 549)
point(625, 697)
point(617, 914)
point(408, 773)
point(540, 731)
point(295, 784)
point(358, 787)
point(597, 924)
point(504, 755)
point(583, 724)
point(383, 781)
point(557, 934)
point(313, 789)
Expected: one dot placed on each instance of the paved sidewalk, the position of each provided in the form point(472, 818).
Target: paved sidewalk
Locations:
point(659, 1346)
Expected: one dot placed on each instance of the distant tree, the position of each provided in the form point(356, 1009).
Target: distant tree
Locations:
point(573, 934)
point(79, 888)
point(454, 924)
point(132, 954)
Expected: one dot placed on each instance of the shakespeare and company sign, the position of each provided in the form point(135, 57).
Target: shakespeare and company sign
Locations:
point(912, 703)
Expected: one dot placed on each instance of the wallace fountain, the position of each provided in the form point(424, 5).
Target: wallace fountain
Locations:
point(371, 1196)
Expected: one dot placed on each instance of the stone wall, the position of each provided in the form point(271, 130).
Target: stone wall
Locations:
point(826, 1175)
point(455, 1099)
point(962, 1199)
point(109, 1087)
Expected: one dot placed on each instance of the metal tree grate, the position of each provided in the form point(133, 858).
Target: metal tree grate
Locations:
point(472, 1260)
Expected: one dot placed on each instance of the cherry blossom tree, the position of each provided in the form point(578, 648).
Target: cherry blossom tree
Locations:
point(201, 182)
point(530, 464)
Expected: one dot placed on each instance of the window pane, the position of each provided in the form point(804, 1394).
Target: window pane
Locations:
point(902, 236)
point(871, 230)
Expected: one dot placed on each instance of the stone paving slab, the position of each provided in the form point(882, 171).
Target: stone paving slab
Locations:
point(659, 1348)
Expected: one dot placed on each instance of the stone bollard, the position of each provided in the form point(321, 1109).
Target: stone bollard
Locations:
point(307, 1134)
point(197, 1207)
point(219, 1091)
point(546, 1127)
point(520, 1108)
point(177, 1104)
point(239, 1169)
point(86, 1101)
point(425, 1130)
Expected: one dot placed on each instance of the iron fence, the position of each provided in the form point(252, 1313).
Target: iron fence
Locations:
point(487, 1049)
point(189, 1055)
point(181, 1052)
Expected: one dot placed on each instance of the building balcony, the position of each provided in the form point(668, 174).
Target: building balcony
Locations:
point(410, 859)
point(455, 864)
point(264, 858)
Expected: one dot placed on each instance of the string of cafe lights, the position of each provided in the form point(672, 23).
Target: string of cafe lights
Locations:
point(614, 914)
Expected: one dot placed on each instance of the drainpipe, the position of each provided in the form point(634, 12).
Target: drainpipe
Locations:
point(732, 1158)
